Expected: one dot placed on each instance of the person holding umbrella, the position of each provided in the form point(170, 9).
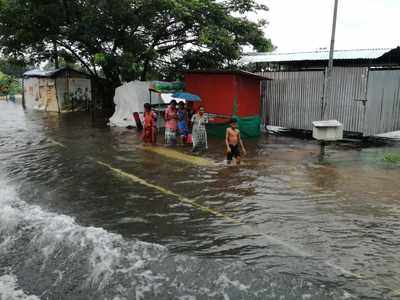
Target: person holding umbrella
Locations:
point(183, 122)
point(189, 98)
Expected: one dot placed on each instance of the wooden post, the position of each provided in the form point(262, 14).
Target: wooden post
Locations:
point(92, 86)
point(55, 89)
point(69, 96)
point(23, 93)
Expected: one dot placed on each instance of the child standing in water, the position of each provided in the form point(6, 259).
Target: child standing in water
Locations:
point(232, 141)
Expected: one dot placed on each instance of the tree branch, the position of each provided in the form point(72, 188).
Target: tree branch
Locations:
point(73, 52)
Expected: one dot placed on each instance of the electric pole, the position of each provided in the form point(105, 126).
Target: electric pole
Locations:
point(328, 75)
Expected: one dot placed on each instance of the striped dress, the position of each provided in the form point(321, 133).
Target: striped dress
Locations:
point(199, 132)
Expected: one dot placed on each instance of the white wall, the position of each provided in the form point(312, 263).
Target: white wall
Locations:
point(31, 93)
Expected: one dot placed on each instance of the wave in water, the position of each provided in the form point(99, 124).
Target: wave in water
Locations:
point(56, 258)
point(9, 289)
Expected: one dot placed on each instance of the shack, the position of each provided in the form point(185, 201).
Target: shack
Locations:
point(364, 94)
point(57, 90)
point(226, 94)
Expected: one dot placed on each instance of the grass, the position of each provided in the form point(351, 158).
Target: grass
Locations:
point(393, 158)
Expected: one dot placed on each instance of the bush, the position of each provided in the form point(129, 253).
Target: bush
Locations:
point(9, 85)
point(393, 158)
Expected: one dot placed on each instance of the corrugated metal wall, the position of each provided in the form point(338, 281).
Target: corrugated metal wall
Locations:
point(292, 99)
point(349, 87)
point(365, 101)
point(383, 106)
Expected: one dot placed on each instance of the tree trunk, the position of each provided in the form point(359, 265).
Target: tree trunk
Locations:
point(145, 70)
point(55, 55)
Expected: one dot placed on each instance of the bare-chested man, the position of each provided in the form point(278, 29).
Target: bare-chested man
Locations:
point(233, 141)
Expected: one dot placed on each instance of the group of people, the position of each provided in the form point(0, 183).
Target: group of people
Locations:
point(185, 125)
point(182, 124)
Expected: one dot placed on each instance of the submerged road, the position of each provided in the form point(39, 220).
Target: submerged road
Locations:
point(87, 213)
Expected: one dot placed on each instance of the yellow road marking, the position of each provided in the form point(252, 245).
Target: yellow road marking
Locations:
point(224, 216)
point(176, 155)
point(56, 143)
point(396, 293)
point(167, 192)
point(192, 203)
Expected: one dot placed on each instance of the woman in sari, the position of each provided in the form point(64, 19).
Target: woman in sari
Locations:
point(199, 132)
point(149, 125)
point(171, 123)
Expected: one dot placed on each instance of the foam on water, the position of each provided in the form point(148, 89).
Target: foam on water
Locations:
point(52, 236)
point(54, 257)
point(9, 289)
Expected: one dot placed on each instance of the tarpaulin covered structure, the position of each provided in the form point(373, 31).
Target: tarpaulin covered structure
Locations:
point(131, 96)
point(228, 93)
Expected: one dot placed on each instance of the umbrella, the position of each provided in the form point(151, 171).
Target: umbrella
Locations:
point(186, 96)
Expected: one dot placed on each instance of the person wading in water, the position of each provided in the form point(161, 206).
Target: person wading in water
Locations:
point(171, 124)
point(233, 140)
point(199, 132)
point(150, 125)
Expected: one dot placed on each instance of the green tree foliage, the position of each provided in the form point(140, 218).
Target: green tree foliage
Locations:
point(13, 67)
point(9, 85)
point(130, 39)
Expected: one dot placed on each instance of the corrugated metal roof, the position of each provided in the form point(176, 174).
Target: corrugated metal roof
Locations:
point(231, 72)
point(40, 73)
point(51, 73)
point(313, 55)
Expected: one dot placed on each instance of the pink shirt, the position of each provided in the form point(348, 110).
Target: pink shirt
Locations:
point(170, 121)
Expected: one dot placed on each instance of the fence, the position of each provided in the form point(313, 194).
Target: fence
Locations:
point(365, 100)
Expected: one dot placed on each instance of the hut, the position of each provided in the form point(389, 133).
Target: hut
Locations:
point(364, 94)
point(57, 90)
point(226, 93)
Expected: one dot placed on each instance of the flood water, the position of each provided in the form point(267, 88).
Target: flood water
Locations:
point(86, 213)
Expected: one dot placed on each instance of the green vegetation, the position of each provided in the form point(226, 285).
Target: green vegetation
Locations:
point(393, 158)
point(131, 39)
point(9, 85)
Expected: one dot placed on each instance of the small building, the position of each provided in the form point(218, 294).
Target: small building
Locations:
point(364, 89)
point(228, 93)
point(58, 90)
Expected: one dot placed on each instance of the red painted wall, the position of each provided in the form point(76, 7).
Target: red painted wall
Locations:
point(218, 92)
point(249, 96)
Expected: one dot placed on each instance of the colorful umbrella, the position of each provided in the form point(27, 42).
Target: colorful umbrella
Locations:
point(186, 96)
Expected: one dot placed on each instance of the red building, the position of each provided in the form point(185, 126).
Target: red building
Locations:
point(226, 92)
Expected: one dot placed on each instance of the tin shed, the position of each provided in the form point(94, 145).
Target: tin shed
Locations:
point(58, 90)
point(226, 92)
point(229, 93)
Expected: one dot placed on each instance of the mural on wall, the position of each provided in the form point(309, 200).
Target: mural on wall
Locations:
point(79, 96)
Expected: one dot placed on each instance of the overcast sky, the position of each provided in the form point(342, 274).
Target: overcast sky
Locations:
point(302, 25)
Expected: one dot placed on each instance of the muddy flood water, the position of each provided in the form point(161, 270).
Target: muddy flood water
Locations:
point(87, 213)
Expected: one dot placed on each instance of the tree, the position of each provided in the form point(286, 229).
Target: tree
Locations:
point(9, 85)
point(130, 39)
point(13, 67)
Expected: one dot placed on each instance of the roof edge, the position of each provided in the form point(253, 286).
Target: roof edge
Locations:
point(229, 72)
point(51, 73)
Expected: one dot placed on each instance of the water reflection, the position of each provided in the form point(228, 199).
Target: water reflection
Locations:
point(342, 213)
